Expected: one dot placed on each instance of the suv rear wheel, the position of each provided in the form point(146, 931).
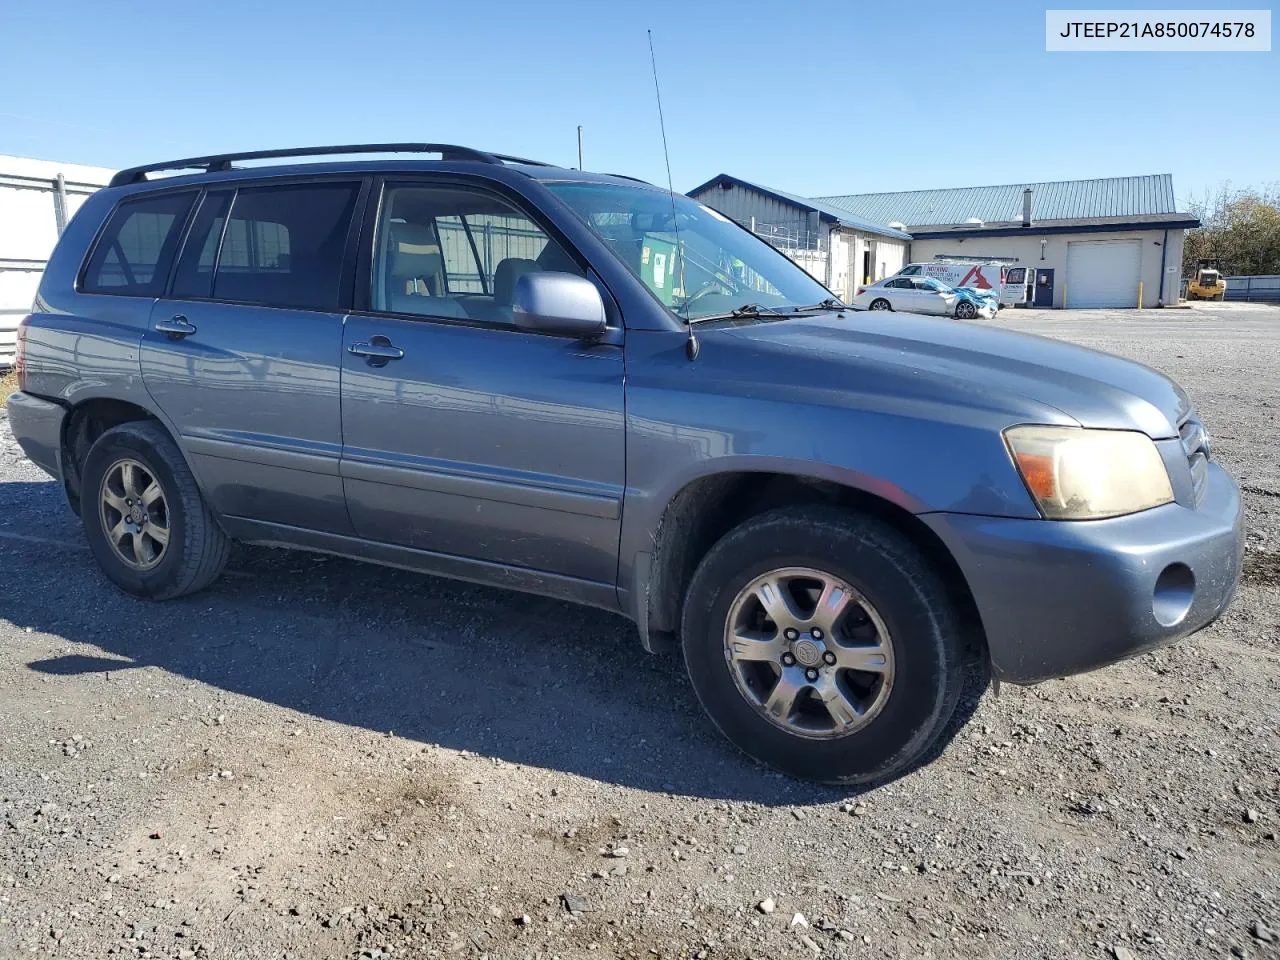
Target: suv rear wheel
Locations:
point(143, 515)
point(822, 643)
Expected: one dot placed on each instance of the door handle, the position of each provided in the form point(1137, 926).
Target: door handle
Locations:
point(176, 327)
point(377, 351)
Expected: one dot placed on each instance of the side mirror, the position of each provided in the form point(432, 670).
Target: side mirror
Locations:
point(562, 303)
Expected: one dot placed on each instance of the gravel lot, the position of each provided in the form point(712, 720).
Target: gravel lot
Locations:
point(322, 759)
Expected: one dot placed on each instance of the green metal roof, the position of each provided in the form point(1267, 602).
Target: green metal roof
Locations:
point(1055, 200)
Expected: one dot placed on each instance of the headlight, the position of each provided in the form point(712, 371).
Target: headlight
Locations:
point(1079, 474)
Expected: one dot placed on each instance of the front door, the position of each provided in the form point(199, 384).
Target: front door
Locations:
point(464, 435)
point(1044, 288)
point(243, 354)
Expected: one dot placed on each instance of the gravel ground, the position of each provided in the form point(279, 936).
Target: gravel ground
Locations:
point(320, 759)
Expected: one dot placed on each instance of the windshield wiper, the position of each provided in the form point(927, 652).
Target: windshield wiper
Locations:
point(831, 303)
point(742, 313)
point(746, 311)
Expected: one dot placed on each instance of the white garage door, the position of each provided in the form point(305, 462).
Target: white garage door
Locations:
point(1103, 273)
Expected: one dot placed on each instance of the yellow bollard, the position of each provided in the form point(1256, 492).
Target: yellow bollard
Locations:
point(1139, 294)
point(1064, 295)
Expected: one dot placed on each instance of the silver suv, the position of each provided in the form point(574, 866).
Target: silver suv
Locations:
point(585, 387)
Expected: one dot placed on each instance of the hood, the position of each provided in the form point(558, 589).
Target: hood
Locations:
point(995, 369)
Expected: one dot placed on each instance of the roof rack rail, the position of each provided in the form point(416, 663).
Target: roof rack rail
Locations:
point(222, 161)
point(506, 158)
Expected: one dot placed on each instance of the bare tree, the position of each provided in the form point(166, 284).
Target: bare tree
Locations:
point(1241, 228)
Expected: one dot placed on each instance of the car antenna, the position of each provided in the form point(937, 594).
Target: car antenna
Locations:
point(691, 346)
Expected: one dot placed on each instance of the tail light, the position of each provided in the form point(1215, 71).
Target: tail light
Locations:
point(20, 354)
point(859, 293)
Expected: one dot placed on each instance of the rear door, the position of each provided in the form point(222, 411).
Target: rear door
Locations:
point(464, 435)
point(1014, 288)
point(243, 353)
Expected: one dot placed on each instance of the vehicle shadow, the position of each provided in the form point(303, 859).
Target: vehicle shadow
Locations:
point(530, 680)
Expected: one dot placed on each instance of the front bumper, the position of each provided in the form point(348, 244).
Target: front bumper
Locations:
point(37, 426)
point(1058, 598)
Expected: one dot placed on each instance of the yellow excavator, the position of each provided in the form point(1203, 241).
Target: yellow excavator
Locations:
point(1207, 283)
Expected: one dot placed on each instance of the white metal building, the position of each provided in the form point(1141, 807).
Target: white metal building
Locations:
point(1114, 242)
point(835, 245)
point(37, 199)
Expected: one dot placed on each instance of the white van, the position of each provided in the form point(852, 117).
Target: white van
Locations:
point(1011, 284)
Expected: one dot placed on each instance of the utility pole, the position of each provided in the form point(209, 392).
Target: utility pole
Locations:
point(579, 146)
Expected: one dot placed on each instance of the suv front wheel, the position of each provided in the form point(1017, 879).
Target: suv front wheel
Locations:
point(822, 643)
point(144, 518)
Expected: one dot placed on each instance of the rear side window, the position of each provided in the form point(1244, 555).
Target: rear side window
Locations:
point(133, 254)
point(1016, 275)
point(278, 246)
point(194, 277)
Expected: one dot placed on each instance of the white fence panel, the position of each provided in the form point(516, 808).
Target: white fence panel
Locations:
point(37, 198)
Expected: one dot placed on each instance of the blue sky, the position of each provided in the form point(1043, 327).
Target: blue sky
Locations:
point(809, 97)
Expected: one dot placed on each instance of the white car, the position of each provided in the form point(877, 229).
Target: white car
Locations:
point(919, 295)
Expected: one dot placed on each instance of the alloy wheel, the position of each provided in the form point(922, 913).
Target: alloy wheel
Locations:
point(809, 652)
point(134, 514)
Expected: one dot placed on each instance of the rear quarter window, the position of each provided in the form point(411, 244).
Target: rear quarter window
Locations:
point(136, 248)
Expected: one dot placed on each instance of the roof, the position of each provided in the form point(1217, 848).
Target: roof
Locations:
point(1167, 221)
point(1131, 197)
point(829, 212)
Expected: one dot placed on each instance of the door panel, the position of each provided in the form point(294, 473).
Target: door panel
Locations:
point(254, 394)
point(488, 443)
point(903, 298)
point(1043, 296)
point(243, 355)
point(927, 299)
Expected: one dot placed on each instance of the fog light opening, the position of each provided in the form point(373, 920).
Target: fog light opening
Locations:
point(1175, 589)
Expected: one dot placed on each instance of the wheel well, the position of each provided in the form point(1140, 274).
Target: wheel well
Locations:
point(707, 509)
point(82, 426)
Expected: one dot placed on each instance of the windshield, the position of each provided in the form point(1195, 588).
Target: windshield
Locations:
point(701, 264)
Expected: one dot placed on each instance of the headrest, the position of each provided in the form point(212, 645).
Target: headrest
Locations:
point(414, 251)
point(505, 276)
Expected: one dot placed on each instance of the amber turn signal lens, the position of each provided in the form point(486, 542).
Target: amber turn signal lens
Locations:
point(1037, 471)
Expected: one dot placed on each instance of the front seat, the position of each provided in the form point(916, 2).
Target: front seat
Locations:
point(415, 273)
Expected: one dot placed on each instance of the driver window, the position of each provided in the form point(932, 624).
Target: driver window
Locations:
point(449, 252)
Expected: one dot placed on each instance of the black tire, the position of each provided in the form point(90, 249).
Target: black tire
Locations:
point(197, 547)
point(929, 649)
point(880, 303)
point(966, 310)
